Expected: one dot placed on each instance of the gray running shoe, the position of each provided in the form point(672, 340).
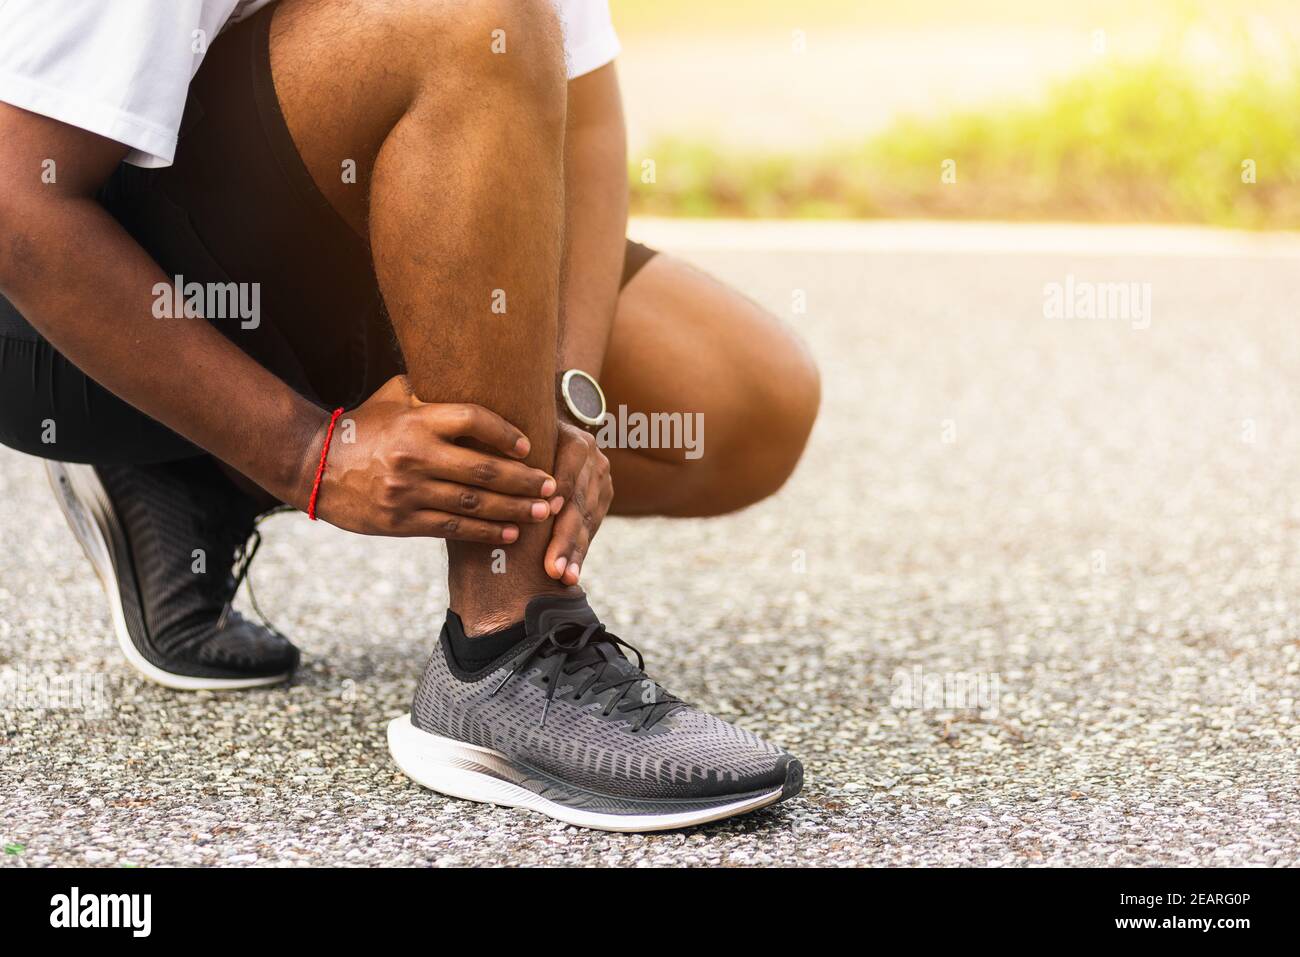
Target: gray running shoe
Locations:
point(557, 720)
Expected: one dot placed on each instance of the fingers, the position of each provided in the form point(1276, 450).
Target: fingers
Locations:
point(479, 503)
point(411, 475)
point(568, 547)
point(578, 522)
point(572, 456)
point(485, 471)
point(437, 524)
point(464, 420)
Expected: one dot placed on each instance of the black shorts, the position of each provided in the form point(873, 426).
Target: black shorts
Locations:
point(238, 205)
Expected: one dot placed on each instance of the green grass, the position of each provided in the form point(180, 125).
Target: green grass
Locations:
point(1125, 142)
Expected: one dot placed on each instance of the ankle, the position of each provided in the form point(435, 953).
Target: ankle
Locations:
point(482, 623)
point(485, 617)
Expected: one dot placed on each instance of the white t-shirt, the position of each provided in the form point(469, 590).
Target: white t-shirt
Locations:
point(122, 68)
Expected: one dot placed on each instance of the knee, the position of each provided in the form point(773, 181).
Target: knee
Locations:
point(522, 48)
point(780, 405)
point(801, 399)
point(489, 49)
point(790, 402)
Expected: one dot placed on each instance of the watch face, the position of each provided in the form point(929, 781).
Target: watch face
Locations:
point(583, 396)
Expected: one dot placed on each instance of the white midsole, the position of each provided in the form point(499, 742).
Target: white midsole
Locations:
point(87, 488)
point(448, 766)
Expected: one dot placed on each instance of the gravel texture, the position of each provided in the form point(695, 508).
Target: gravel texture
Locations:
point(1096, 524)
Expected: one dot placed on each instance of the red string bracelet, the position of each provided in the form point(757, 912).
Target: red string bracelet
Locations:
point(320, 469)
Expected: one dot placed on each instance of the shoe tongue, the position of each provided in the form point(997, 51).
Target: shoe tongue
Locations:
point(617, 660)
point(556, 611)
point(548, 611)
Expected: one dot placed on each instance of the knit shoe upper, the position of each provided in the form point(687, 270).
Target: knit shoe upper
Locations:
point(568, 706)
point(188, 528)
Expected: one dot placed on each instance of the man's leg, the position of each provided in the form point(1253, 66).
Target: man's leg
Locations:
point(459, 155)
point(684, 342)
point(459, 151)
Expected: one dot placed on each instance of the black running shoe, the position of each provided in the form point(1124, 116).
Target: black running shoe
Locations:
point(559, 721)
point(171, 544)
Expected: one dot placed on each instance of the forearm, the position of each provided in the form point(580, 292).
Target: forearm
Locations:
point(87, 286)
point(595, 174)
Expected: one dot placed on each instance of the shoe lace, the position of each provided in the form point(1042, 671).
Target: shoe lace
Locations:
point(650, 706)
point(245, 552)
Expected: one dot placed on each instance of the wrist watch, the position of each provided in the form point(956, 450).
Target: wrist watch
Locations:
point(583, 397)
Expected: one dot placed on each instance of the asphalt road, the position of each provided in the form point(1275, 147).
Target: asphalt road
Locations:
point(1089, 526)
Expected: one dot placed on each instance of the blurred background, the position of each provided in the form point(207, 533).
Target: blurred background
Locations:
point(1183, 111)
